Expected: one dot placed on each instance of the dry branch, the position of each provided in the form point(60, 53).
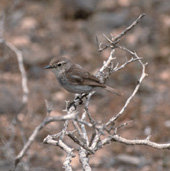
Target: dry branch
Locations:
point(116, 39)
point(146, 142)
point(19, 56)
point(143, 75)
point(84, 160)
point(63, 146)
point(22, 70)
point(38, 129)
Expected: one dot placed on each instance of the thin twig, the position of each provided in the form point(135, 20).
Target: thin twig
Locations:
point(2, 18)
point(146, 142)
point(77, 127)
point(32, 137)
point(108, 62)
point(92, 121)
point(79, 142)
point(117, 67)
point(116, 39)
point(60, 143)
point(65, 147)
point(83, 129)
point(22, 70)
point(121, 126)
point(143, 75)
point(63, 132)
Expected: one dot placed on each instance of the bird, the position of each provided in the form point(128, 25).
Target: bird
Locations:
point(74, 78)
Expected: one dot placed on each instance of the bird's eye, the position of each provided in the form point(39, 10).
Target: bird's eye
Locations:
point(59, 64)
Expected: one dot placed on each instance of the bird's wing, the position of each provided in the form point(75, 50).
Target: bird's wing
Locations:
point(77, 75)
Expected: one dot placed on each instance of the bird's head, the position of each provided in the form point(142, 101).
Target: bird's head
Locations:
point(59, 65)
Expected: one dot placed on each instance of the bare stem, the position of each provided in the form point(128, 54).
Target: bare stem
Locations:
point(84, 159)
point(38, 129)
point(22, 70)
point(143, 75)
point(116, 39)
point(146, 142)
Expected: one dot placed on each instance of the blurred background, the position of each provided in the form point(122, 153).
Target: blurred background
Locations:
point(42, 29)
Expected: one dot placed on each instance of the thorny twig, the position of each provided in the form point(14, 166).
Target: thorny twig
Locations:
point(116, 39)
point(143, 75)
point(113, 41)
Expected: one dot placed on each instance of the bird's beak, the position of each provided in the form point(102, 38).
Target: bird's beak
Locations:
point(48, 67)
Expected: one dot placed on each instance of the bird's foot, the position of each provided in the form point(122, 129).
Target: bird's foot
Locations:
point(78, 100)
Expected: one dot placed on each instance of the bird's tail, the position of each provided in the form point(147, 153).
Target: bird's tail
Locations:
point(112, 90)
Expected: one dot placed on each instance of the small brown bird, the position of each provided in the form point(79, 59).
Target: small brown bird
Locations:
point(74, 78)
